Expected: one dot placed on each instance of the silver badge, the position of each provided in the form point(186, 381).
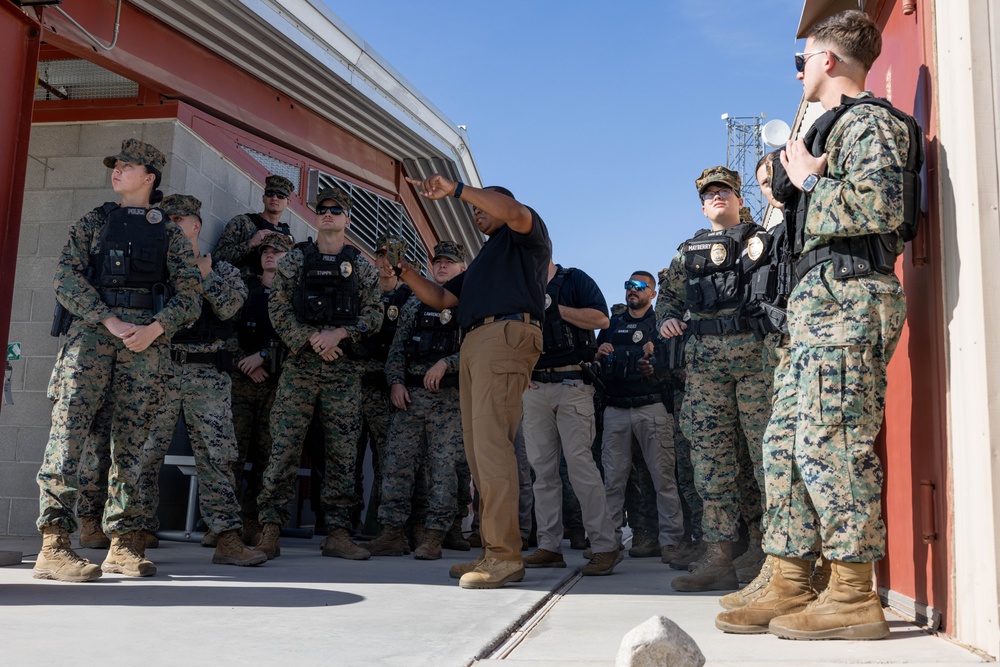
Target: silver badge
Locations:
point(445, 316)
point(548, 301)
point(346, 269)
point(718, 254)
point(393, 313)
point(636, 336)
point(154, 216)
point(755, 248)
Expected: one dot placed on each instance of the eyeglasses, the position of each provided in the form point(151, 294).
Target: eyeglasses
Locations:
point(723, 194)
point(801, 58)
point(637, 285)
point(334, 210)
point(275, 193)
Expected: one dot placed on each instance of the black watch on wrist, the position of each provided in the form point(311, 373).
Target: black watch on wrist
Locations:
point(263, 354)
point(809, 183)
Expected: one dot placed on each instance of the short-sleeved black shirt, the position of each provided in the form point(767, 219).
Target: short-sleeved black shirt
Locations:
point(508, 276)
point(578, 290)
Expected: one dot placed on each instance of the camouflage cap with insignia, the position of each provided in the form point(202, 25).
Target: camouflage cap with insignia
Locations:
point(279, 184)
point(335, 194)
point(137, 152)
point(718, 175)
point(450, 250)
point(279, 242)
point(181, 205)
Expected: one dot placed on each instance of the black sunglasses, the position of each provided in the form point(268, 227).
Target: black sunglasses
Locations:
point(275, 193)
point(637, 285)
point(335, 210)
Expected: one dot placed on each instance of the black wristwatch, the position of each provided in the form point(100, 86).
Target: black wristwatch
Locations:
point(263, 354)
point(809, 184)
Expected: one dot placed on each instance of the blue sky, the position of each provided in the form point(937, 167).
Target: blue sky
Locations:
point(598, 115)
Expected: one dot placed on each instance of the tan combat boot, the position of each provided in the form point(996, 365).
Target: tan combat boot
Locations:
point(692, 552)
point(459, 569)
point(251, 532)
point(493, 573)
point(230, 550)
point(388, 542)
point(714, 572)
point(338, 544)
point(454, 538)
point(151, 541)
point(788, 591)
point(125, 557)
point(751, 591)
point(544, 558)
point(58, 561)
point(847, 609)
point(821, 575)
point(748, 565)
point(644, 544)
point(430, 548)
point(602, 563)
point(91, 534)
point(210, 540)
point(269, 544)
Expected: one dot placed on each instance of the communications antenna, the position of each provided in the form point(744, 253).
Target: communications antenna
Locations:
point(745, 147)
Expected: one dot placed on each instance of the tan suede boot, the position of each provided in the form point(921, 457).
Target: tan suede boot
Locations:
point(788, 591)
point(230, 550)
point(58, 561)
point(124, 557)
point(454, 539)
point(847, 609)
point(458, 569)
point(430, 548)
point(338, 544)
point(821, 575)
point(751, 591)
point(210, 540)
point(389, 542)
point(91, 534)
point(493, 573)
point(714, 572)
point(269, 543)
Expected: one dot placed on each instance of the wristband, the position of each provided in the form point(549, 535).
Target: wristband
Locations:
point(458, 190)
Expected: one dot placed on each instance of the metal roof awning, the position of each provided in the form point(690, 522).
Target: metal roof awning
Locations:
point(817, 10)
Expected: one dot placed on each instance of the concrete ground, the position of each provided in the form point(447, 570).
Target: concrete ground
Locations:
point(304, 609)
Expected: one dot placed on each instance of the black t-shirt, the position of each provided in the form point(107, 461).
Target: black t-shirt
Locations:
point(578, 290)
point(508, 276)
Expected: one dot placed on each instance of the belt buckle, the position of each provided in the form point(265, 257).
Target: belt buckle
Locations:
point(182, 356)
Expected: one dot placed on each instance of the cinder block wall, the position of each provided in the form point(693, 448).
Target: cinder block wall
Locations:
point(65, 179)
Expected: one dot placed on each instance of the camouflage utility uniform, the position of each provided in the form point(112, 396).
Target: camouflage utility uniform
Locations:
point(234, 244)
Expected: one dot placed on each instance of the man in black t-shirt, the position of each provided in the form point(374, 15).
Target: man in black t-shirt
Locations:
point(501, 303)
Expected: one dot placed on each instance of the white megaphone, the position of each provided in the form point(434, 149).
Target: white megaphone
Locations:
point(775, 133)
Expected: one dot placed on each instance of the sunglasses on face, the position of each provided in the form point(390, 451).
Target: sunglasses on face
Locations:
point(334, 210)
point(273, 193)
point(722, 193)
point(636, 285)
point(801, 58)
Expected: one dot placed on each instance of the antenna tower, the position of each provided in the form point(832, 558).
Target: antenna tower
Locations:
point(745, 147)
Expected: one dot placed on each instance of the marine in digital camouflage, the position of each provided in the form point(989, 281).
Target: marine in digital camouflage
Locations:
point(181, 205)
point(137, 152)
point(234, 243)
point(94, 466)
point(336, 195)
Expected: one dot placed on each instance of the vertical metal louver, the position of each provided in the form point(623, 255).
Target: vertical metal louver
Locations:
point(277, 167)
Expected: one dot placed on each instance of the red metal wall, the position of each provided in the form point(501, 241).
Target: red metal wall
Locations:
point(913, 443)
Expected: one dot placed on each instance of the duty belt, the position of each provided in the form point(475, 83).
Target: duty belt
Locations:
point(375, 380)
point(555, 375)
point(450, 380)
point(812, 259)
point(725, 325)
point(126, 298)
point(221, 359)
point(632, 401)
point(516, 317)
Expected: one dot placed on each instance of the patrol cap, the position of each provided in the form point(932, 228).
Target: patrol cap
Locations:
point(181, 205)
point(336, 194)
point(745, 214)
point(137, 152)
point(718, 174)
point(450, 250)
point(279, 184)
point(279, 242)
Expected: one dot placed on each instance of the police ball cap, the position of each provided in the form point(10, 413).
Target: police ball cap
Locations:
point(450, 250)
point(181, 205)
point(279, 184)
point(718, 174)
point(137, 152)
point(335, 194)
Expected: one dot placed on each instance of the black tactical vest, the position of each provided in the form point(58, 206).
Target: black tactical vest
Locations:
point(208, 328)
point(254, 329)
point(433, 336)
point(720, 266)
point(392, 304)
point(619, 369)
point(260, 223)
point(562, 343)
point(132, 251)
point(328, 290)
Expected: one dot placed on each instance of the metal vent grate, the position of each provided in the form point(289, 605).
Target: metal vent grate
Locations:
point(275, 166)
point(372, 216)
point(80, 80)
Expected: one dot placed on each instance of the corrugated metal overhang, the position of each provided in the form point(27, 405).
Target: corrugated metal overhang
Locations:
point(817, 10)
point(303, 50)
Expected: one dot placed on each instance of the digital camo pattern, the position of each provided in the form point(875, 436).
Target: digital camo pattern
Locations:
point(396, 365)
point(95, 464)
point(728, 388)
point(138, 152)
point(863, 189)
point(376, 415)
point(693, 505)
point(824, 478)
point(224, 291)
point(427, 434)
point(234, 243)
point(672, 295)
point(94, 366)
point(252, 402)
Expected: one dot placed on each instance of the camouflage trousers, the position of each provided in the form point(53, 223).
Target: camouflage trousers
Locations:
point(728, 388)
point(95, 464)
point(307, 384)
point(824, 479)
point(252, 403)
point(200, 393)
point(94, 366)
point(690, 500)
point(376, 413)
point(427, 434)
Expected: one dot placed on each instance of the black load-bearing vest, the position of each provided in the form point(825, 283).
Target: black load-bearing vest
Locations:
point(392, 305)
point(328, 289)
point(620, 370)
point(562, 343)
point(260, 223)
point(132, 250)
point(433, 336)
point(720, 266)
point(209, 327)
point(254, 329)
